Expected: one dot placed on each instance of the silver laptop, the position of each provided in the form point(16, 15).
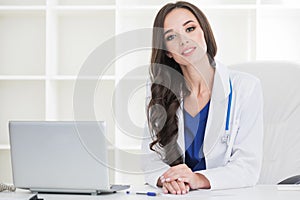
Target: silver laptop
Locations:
point(63, 157)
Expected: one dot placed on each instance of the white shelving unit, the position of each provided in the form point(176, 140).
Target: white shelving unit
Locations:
point(44, 44)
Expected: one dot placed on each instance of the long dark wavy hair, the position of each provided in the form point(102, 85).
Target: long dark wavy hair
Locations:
point(168, 86)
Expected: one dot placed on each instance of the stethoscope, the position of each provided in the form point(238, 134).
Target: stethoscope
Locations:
point(225, 138)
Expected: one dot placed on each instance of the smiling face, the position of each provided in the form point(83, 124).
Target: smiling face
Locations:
point(184, 37)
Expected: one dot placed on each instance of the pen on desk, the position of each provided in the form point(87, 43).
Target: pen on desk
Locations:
point(152, 194)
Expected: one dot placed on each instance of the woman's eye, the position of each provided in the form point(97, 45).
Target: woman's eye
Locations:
point(190, 29)
point(170, 37)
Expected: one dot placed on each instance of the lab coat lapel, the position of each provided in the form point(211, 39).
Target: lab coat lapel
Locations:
point(218, 109)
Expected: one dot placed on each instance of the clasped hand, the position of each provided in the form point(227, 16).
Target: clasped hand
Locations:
point(180, 179)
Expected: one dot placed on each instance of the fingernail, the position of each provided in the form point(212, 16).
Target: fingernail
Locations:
point(183, 192)
point(162, 179)
point(178, 192)
point(168, 179)
point(179, 179)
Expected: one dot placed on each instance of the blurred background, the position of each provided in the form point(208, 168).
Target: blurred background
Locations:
point(44, 44)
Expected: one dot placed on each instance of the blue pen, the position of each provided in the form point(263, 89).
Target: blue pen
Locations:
point(152, 194)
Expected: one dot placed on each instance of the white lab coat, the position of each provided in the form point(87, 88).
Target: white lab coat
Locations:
point(233, 162)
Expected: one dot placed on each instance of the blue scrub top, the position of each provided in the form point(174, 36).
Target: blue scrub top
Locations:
point(194, 129)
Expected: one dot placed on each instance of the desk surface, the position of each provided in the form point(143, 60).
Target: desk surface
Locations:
point(260, 192)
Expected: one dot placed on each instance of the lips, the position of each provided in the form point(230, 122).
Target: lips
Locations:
point(188, 51)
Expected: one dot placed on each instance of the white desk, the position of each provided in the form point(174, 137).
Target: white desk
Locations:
point(260, 192)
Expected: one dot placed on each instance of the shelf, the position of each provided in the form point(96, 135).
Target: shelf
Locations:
point(229, 7)
point(134, 64)
point(132, 20)
point(160, 3)
point(23, 55)
point(22, 8)
point(4, 147)
point(241, 41)
point(280, 2)
point(85, 8)
point(65, 109)
point(58, 78)
point(217, 6)
point(22, 2)
point(103, 104)
point(87, 2)
point(21, 78)
point(202, 7)
point(73, 78)
point(73, 45)
point(280, 7)
point(20, 100)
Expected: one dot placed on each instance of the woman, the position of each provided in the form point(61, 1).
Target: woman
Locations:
point(205, 124)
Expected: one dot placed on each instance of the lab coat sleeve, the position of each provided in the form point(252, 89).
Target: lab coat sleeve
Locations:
point(151, 163)
point(244, 165)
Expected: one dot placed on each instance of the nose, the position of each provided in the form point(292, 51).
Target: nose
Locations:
point(183, 40)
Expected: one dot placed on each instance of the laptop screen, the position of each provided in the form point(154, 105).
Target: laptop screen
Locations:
point(59, 156)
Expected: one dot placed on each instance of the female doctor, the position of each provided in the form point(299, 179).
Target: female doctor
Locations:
point(205, 123)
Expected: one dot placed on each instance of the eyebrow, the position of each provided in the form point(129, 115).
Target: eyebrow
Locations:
point(185, 23)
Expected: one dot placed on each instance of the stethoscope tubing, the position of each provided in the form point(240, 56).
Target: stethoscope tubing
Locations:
point(228, 107)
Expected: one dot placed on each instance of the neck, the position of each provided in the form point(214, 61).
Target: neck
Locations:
point(199, 77)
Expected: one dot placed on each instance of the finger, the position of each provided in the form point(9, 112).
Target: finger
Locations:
point(170, 188)
point(187, 187)
point(175, 172)
point(182, 187)
point(184, 179)
point(162, 179)
point(169, 178)
point(172, 176)
point(176, 187)
point(165, 190)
